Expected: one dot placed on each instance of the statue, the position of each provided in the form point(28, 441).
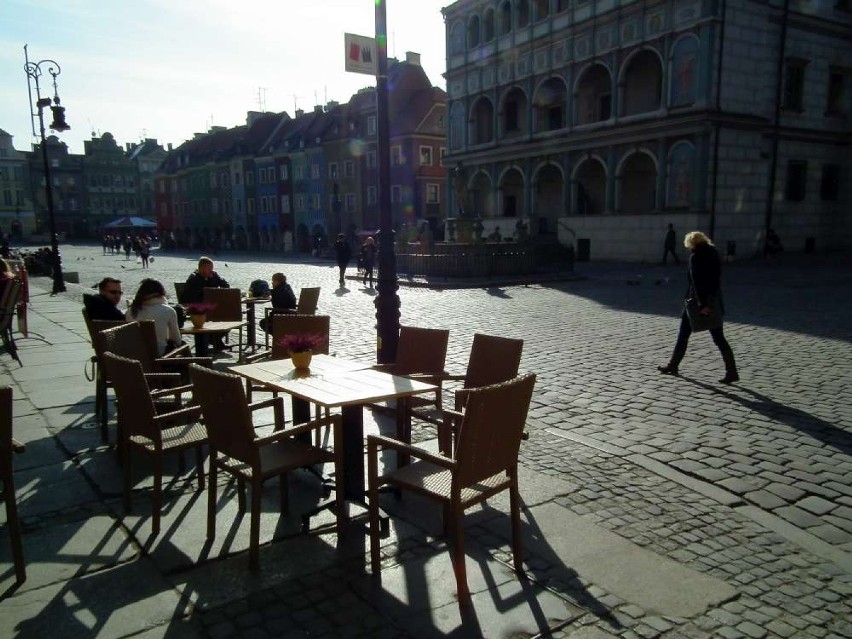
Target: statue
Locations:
point(461, 188)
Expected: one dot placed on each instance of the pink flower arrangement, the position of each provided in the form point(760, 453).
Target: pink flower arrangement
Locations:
point(301, 342)
point(199, 308)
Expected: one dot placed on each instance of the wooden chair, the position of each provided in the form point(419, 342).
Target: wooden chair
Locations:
point(484, 463)
point(179, 288)
point(8, 447)
point(236, 450)
point(492, 360)
point(228, 308)
point(306, 305)
point(421, 354)
point(8, 303)
point(143, 429)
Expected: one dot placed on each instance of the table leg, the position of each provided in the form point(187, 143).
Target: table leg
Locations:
point(250, 327)
point(201, 342)
point(403, 428)
point(353, 454)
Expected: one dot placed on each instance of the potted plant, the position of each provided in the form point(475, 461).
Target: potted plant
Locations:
point(301, 347)
point(197, 312)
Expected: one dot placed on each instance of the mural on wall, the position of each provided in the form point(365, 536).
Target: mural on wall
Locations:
point(680, 175)
point(684, 77)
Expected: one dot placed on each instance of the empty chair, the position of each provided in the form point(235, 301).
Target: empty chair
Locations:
point(179, 288)
point(144, 430)
point(8, 447)
point(236, 450)
point(484, 463)
point(101, 383)
point(228, 307)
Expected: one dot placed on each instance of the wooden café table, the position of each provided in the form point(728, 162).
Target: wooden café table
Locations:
point(207, 329)
point(334, 382)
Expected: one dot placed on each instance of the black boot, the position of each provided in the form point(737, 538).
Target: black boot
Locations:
point(672, 367)
point(731, 374)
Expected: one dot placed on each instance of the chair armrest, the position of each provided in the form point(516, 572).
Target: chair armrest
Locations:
point(374, 442)
point(18, 447)
point(331, 420)
point(171, 362)
point(177, 390)
point(266, 403)
point(257, 357)
point(176, 352)
point(447, 413)
point(163, 377)
point(453, 377)
point(183, 415)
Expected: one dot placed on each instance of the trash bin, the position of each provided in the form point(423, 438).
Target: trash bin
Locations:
point(584, 249)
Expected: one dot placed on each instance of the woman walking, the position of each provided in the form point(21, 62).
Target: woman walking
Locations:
point(368, 258)
point(704, 275)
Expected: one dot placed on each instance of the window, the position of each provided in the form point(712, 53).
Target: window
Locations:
point(443, 154)
point(300, 202)
point(285, 203)
point(350, 202)
point(797, 173)
point(425, 156)
point(396, 155)
point(285, 173)
point(542, 9)
point(348, 168)
point(315, 171)
point(237, 178)
point(371, 125)
point(371, 195)
point(396, 194)
point(249, 178)
point(7, 198)
point(432, 194)
point(829, 186)
point(511, 116)
point(332, 170)
point(273, 203)
point(794, 84)
point(250, 205)
point(212, 180)
point(264, 203)
point(315, 202)
point(834, 104)
point(164, 209)
point(371, 159)
point(523, 13)
point(19, 197)
point(300, 172)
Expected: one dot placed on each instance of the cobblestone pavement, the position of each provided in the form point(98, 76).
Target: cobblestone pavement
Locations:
point(751, 483)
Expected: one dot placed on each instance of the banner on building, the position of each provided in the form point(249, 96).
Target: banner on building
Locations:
point(361, 54)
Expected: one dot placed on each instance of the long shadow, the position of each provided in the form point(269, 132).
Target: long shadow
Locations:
point(817, 428)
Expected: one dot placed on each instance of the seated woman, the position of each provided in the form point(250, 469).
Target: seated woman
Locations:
point(283, 298)
point(150, 303)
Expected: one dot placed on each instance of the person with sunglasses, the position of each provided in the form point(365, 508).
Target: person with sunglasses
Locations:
point(104, 305)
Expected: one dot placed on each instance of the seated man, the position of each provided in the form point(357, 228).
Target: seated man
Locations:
point(104, 305)
point(282, 298)
point(193, 292)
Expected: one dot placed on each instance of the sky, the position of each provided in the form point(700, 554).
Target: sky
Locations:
point(167, 69)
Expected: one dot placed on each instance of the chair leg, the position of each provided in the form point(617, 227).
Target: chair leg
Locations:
point(515, 508)
point(373, 498)
point(128, 476)
point(158, 494)
point(211, 498)
point(254, 529)
point(241, 489)
point(284, 487)
point(457, 555)
point(14, 524)
point(199, 465)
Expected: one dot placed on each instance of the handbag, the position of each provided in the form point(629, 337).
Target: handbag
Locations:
point(700, 322)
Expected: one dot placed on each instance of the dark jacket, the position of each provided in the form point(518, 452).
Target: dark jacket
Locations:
point(704, 274)
point(195, 285)
point(100, 308)
point(283, 296)
point(342, 252)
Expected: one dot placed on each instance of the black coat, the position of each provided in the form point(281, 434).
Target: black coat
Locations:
point(195, 285)
point(283, 296)
point(704, 274)
point(342, 252)
point(100, 308)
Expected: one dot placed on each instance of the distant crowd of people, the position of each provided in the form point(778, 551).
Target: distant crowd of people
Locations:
point(138, 243)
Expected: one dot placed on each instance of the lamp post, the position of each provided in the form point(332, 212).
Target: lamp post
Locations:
point(387, 301)
point(34, 72)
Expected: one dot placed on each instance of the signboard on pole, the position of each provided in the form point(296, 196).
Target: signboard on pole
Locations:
point(361, 54)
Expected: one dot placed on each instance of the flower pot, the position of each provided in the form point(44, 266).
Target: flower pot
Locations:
point(198, 320)
point(302, 360)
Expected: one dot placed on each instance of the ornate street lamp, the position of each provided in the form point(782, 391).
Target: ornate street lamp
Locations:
point(34, 72)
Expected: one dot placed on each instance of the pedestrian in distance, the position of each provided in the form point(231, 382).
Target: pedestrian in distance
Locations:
point(669, 245)
point(144, 252)
point(368, 259)
point(342, 254)
point(704, 276)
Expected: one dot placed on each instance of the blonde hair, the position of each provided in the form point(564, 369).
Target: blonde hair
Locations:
point(690, 240)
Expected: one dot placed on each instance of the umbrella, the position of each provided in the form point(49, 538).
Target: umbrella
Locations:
point(124, 222)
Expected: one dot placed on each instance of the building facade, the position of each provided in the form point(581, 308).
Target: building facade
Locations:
point(16, 205)
point(601, 122)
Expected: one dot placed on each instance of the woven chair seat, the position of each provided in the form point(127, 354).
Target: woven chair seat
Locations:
point(424, 476)
point(182, 436)
point(284, 454)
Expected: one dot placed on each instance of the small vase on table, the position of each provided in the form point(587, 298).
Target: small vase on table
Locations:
point(198, 319)
point(302, 359)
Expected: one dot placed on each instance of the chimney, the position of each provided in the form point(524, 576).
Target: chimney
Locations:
point(318, 108)
point(252, 116)
point(412, 58)
point(331, 104)
point(299, 113)
point(170, 147)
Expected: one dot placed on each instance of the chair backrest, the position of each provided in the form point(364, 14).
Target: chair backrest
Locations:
point(135, 406)
point(225, 412)
point(229, 304)
point(9, 300)
point(96, 326)
point(179, 287)
point(491, 429)
point(5, 426)
point(421, 350)
point(492, 360)
point(130, 340)
point(308, 298)
point(283, 324)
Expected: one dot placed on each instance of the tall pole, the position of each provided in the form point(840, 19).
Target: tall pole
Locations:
point(387, 301)
point(34, 71)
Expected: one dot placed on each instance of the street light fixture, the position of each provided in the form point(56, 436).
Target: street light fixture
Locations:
point(34, 72)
